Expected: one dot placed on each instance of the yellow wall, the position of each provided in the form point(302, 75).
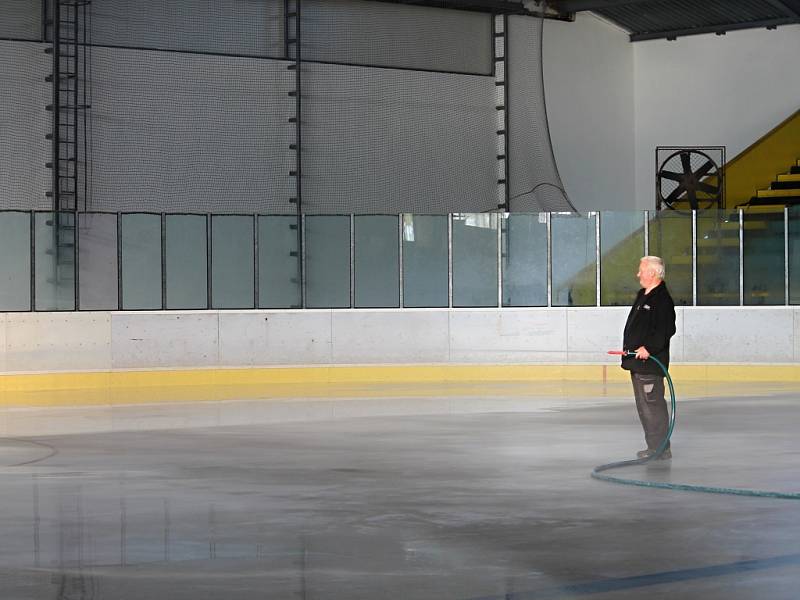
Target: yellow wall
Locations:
point(759, 164)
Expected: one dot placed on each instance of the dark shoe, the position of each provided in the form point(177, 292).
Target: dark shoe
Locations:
point(666, 455)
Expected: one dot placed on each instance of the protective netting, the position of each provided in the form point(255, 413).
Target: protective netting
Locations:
point(21, 19)
point(534, 181)
point(391, 35)
point(24, 123)
point(192, 109)
point(402, 140)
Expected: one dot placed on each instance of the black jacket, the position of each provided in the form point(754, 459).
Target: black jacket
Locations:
point(651, 323)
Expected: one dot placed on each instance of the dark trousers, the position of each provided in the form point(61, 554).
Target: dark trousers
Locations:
point(652, 407)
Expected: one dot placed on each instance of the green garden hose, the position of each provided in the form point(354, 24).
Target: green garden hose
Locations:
point(597, 472)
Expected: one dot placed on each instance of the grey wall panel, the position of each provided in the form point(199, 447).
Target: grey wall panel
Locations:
point(280, 338)
point(58, 342)
point(385, 34)
point(24, 122)
point(737, 334)
point(384, 141)
point(21, 19)
point(248, 27)
point(591, 332)
point(796, 318)
point(512, 336)
point(3, 353)
point(180, 132)
point(142, 340)
point(369, 337)
point(555, 336)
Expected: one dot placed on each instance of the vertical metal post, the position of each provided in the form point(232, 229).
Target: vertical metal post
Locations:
point(506, 124)
point(299, 143)
point(256, 280)
point(647, 233)
point(694, 258)
point(302, 258)
point(33, 259)
point(597, 255)
point(76, 258)
point(500, 220)
point(400, 255)
point(163, 261)
point(119, 261)
point(74, 85)
point(741, 257)
point(352, 261)
point(786, 253)
point(549, 218)
point(87, 79)
point(56, 152)
point(450, 260)
point(208, 260)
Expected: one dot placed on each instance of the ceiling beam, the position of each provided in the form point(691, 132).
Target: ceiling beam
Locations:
point(675, 33)
point(579, 5)
point(491, 6)
point(785, 8)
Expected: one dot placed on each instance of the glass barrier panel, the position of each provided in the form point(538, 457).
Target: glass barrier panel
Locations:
point(232, 261)
point(97, 261)
point(186, 261)
point(377, 261)
point(327, 261)
point(621, 249)
point(717, 258)
point(794, 255)
point(574, 259)
point(278, 262)
point(15, 261)
point(524, 247)
point(763, 257)
point(55, 261)
point(671, 239)
point(141, 261)
point(475, 259)
point(425, 268)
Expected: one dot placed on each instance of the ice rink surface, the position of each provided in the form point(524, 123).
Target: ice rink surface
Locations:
point(474, 502)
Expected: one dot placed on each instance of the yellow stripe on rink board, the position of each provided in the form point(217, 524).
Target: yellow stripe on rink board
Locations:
point(193, 385)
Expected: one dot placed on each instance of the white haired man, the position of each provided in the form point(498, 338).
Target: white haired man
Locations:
point(650, 325)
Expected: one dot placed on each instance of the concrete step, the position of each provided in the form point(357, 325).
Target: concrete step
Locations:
point(785, 185)
point(778, 194)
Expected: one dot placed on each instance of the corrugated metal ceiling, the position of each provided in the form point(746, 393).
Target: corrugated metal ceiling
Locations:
point(649, 19)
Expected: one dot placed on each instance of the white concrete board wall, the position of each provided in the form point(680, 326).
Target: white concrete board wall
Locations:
point(3, 318)
point(709, 90)
point(610, 102)
point(100, 341)
point(65, 341)
point(589, 89)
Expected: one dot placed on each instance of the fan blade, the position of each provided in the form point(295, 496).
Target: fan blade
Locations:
point(675, 194)
point(686, 163)
point(708, 189)
point(672, 175)
point(704, 169)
